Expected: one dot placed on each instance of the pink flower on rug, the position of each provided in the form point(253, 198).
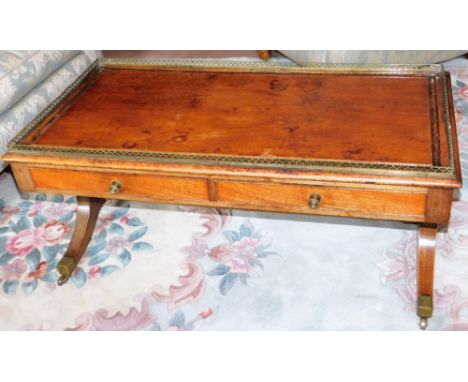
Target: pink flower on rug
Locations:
point(52, 211)
point(237, 254)
point(35, 208)
point(38, 273)
point(190, 289)
point(127, 217)
point(463, 92)
point(94, 272)
point(241, 258)
point(239, 266)
point(247, 246)
point(13, 271)
point(55, 232)
point(116, 244)
point(25, 241)
point(206, 313)
point(6, 213)
point(223, 253)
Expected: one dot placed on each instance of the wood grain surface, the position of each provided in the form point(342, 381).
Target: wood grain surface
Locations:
point(328, 116)
point(392, 203)
point(319, 116)
point(426, 257)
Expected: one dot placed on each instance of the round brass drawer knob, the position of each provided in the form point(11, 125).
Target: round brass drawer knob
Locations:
point(314, 201)
point(115, 187)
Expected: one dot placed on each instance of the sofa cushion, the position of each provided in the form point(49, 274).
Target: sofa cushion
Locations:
point(308, 57)
point(24, 111)
point(21, 71)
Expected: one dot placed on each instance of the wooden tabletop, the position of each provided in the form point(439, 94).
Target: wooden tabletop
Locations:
point(366, 118)
point(370, 118)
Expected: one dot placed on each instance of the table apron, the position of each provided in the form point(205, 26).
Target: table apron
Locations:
point(412, 204)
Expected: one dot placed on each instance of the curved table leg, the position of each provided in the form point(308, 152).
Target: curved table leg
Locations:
point(426, 257)
point(86, 216)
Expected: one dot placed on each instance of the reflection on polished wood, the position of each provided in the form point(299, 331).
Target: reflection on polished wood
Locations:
point(86, 216)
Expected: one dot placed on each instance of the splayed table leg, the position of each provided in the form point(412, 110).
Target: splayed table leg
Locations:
point(426, 257)
point(86, 216)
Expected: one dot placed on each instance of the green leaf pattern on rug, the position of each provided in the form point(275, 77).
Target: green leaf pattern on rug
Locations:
point(34, 235)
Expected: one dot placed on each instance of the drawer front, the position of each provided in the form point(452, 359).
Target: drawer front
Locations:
point(335, 201)
point(387, 204)
point(150, 187)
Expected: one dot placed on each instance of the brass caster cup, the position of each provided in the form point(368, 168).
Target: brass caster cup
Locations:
point(425, 306)
point(65, 267)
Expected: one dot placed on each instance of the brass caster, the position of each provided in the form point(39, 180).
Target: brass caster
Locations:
point(62, 279)
point(425, 306)
point(65, 267)
point(423, 323)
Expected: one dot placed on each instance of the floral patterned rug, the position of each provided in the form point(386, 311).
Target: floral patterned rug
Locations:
point(156, 267)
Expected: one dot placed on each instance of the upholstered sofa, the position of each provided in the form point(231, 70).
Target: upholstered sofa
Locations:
point(30, 80)
point(306, 57)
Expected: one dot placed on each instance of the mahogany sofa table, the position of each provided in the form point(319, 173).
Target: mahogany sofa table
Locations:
point(366, 142)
